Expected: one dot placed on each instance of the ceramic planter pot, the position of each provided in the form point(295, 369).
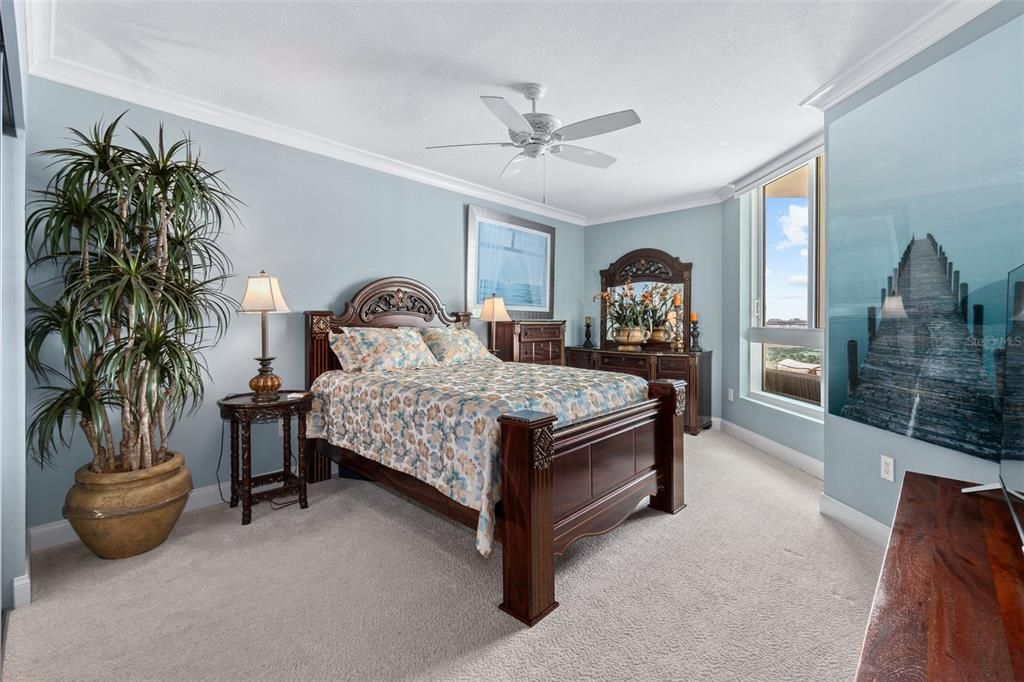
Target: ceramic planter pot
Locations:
point(630, 338)
point(120, 515)
point(660, 335)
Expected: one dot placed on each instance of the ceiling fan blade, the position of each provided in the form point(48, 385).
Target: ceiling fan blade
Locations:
point(599, 125)
point(512, 167)
point(588, 157)
point(472, 144)
point(507, 114)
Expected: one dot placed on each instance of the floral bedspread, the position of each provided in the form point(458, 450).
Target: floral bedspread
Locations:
point(440, 425)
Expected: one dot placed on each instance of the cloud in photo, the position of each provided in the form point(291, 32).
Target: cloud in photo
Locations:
point(798, 280)
point(794, 227)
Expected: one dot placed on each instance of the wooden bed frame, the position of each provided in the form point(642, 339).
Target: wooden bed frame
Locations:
point(558, 484)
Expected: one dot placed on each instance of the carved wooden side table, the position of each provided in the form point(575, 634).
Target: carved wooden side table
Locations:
point(243, 411)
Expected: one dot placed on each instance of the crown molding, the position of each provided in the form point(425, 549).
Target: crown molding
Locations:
point(678, 204)
point(39, 19)
point(928, 30)
point(784, 162)
point(43, 64)
point(76, 75)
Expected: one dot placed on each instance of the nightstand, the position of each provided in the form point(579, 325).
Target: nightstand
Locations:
point(243, 411)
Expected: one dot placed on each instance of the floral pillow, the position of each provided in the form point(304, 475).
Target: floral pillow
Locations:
point(371, 349)
point(455, 346)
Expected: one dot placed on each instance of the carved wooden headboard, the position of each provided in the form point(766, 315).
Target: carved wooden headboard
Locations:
point(387, 302)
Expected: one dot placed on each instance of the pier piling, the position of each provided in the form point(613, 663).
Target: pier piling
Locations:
point(851, 363)
point(978, 332)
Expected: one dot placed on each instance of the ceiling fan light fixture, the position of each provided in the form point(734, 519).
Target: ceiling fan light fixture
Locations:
point(536, 134)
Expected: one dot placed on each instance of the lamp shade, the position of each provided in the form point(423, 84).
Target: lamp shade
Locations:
point(263, 295)
point(494, 310)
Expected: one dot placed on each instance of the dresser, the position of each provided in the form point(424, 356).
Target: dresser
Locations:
point(695, 368)
point(539, 342)
point(950, 600)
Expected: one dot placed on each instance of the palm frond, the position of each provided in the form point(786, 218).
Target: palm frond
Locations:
point(130, 281)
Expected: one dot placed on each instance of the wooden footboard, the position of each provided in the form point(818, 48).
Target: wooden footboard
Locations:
point(560, 485)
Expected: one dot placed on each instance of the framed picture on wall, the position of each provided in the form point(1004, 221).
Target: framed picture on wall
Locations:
point(512, 258)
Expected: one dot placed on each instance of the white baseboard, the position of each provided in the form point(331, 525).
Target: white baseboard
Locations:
point(856, 521)
point(22, 591)
point(803, 462)
point(208, 495)
point(60, 532)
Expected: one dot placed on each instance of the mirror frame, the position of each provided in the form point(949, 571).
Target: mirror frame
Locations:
point(647, 265)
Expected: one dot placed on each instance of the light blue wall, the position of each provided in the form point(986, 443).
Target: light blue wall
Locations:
point(324, 227)
point(13, 559)
point(792, 430)
point(693, 235)
point(12, 373)
point(935, 146)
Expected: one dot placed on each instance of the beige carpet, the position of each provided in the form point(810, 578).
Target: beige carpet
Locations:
point(748, 582)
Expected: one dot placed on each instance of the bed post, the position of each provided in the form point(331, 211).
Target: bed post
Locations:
point(528, 561)
point(318, 358)
point(668, 444)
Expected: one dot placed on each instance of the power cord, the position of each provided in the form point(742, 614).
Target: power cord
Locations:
point(220, 458)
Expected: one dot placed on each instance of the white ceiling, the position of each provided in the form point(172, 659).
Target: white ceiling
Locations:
point(717, 85)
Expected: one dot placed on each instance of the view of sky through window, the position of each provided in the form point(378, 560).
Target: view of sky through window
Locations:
point(785, 256)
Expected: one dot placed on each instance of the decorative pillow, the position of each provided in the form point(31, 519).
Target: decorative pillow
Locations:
point(455, 346)
point(371, 349)
point(346, 351)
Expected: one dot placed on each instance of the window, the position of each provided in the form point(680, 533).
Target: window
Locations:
point(786, 336)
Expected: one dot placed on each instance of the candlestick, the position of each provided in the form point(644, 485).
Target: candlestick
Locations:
point(694, 317)
point(695, 336)
point(587, 343)
point(678, 330)
point(677, 300)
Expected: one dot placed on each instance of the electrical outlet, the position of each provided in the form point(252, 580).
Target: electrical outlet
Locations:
point(730, 395)
point(888, 468)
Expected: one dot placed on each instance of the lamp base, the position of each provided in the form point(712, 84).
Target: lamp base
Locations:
point(266, 384)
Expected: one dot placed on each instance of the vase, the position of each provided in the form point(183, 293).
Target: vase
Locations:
point(122, 514)
point(630, 338)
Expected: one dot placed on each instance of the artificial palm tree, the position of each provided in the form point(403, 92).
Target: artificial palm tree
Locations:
point(124, 240)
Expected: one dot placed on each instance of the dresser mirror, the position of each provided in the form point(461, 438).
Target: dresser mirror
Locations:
point(646, 269)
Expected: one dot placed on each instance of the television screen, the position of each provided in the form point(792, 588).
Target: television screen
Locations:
point(1011, 467)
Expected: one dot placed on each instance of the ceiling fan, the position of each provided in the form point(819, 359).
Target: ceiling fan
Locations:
point(537, 134)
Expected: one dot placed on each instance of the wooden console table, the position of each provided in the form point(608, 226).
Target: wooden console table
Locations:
point(950, 600)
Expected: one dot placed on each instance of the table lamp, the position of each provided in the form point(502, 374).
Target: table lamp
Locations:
point(263, 296)
point(494, 311)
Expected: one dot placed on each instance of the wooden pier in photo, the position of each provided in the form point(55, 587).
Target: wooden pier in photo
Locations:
point(923, 375)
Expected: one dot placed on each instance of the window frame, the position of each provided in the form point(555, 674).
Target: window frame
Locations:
point(813, 336)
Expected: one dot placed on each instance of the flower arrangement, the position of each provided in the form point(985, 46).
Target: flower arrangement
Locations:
point(661, 304)
point(646, 309)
